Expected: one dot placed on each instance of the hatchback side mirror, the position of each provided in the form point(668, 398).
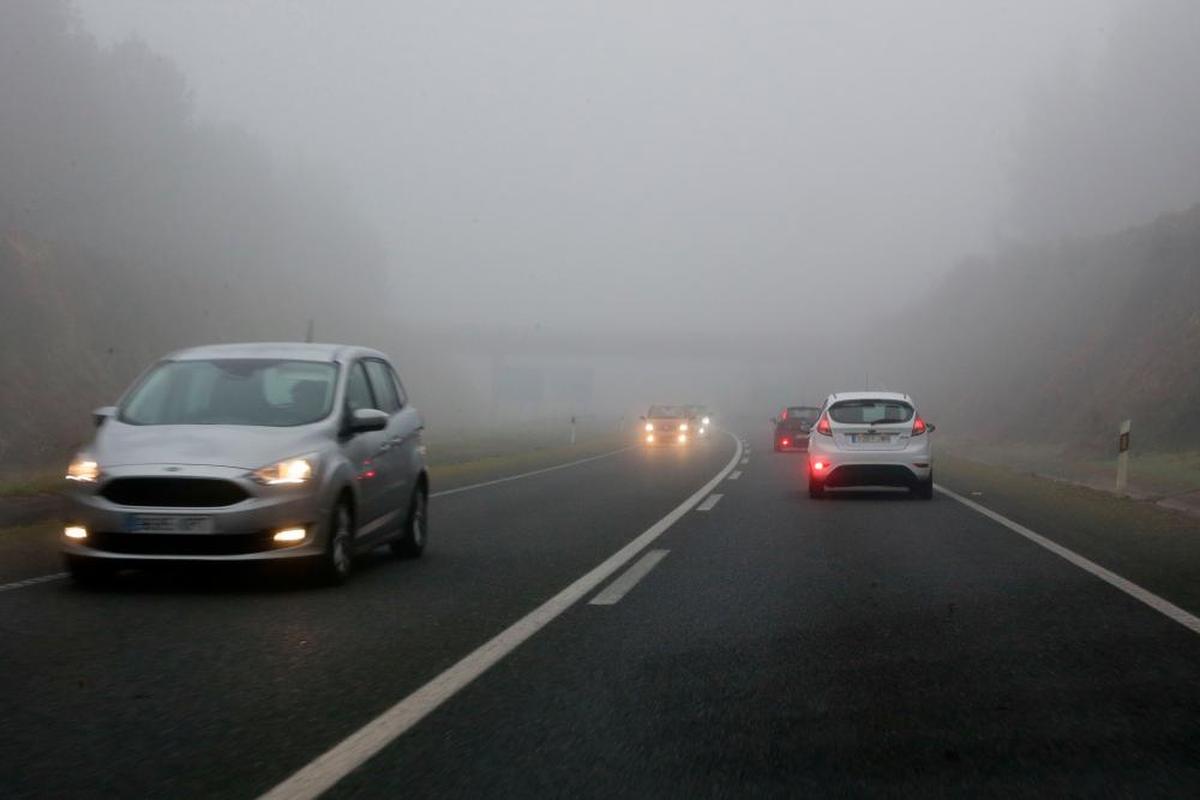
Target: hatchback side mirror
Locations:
point(929, 426)
point(103, 414)
point(367, 419)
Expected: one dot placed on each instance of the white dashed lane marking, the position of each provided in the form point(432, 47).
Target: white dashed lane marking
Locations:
point(629, 578)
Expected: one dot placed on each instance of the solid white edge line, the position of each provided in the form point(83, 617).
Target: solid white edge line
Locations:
point(32, 581)
point(1164, 607)
point(58, 575)
point(710, 502)
point(353, 751)
point(612, 594)
point(518, 477)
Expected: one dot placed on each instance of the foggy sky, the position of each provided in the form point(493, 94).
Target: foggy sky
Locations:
point(668, 165)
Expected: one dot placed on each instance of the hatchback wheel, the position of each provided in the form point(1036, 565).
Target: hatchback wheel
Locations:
point(924, 489)
point(816, 489)
point(338, 559)
point(411, 543)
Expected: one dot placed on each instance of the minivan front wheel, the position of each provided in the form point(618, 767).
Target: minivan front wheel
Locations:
point(90, 573)
point(338, 559)
point(411, 543)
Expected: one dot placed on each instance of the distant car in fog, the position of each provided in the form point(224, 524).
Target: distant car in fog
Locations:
point(870, 439)
point(304, 453)
point(668, 425)
point(702, 419)
point(792, 427)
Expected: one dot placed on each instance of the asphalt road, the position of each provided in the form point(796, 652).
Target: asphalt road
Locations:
point(772, 645)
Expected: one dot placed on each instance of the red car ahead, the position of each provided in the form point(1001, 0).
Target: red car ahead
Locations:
point(792, 427)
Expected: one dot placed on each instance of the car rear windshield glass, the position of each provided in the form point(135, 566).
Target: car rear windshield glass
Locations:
point(871, 411)
point(668, 411)
point(806, 413)
point(233, 391)
point(796, 423)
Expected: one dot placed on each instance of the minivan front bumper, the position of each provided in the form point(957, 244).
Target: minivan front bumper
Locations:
point(111, 514)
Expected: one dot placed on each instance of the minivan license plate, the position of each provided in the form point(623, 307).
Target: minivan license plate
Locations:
point(168, 523)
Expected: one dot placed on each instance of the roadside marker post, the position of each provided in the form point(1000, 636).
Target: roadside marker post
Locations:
point(1123, 457)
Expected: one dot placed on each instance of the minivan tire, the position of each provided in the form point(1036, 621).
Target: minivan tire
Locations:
point(90, 573)
point(337, 561)
point(411, 543)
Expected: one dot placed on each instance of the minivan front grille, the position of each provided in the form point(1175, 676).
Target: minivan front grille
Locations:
point(173, 492)
point(181, 544)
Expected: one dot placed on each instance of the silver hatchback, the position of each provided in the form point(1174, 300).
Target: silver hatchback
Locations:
point(251, 453)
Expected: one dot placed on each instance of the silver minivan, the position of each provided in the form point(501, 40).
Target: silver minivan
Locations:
point(251, 453)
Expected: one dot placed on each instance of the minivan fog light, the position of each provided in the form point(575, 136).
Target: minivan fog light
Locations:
point(76, 532)
point(290, 535)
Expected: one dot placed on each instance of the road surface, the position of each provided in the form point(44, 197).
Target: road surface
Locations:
point(651, 623)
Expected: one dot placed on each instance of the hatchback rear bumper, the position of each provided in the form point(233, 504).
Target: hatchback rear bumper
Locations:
point(907, 467)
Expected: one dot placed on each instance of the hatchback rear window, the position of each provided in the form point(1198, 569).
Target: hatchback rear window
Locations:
point(870, 411)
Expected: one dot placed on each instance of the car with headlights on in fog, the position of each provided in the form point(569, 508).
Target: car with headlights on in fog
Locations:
point(870, 439)
point(299, 453)
point(668, 425)
point(701, 419)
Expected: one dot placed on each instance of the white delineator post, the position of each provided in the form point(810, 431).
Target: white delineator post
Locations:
point(572, 430)
point(1123, 457)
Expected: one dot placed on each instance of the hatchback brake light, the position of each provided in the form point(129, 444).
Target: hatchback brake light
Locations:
point(918, 426)
point(823, 426)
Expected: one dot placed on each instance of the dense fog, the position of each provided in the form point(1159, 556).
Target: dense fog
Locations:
point(551, 209)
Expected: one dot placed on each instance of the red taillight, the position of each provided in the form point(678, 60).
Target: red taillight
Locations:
point(823, 426)
point(784, 442)
point(918, 426)
point(784, 414)
point(818, 466)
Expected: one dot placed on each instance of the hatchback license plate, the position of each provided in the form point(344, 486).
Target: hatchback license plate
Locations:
point(168, 523)
point(871, 438)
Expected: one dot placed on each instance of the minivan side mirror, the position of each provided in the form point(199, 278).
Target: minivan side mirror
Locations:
point(774, 420)
point(102, 414)
point(367, 419)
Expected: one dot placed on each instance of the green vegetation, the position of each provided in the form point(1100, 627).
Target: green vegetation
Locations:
point(34, 483)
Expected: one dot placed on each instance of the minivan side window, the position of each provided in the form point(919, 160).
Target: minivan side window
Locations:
point(400, 393)
point(385, 388)
point(358, 390)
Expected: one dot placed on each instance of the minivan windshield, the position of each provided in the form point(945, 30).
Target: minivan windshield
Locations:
point(871, 411)
point(233, 391)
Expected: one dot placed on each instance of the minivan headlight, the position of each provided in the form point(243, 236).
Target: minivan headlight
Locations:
point(84, 469)
point(290, 470)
